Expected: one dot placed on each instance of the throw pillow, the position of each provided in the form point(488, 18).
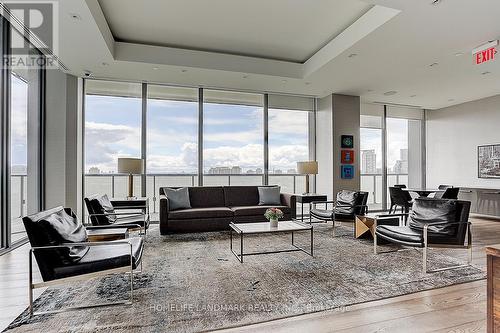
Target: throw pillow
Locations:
point(178, 198)
point(269, 195)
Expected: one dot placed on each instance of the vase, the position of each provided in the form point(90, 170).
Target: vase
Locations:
point(274, 223)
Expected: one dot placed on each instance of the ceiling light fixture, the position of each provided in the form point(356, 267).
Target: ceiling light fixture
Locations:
point(75, 16)
point(390, 93)
point(352, 55)
point(156, 68)
point(436, 2)
point(433, 64)
point(245, 76)
point(413, 96)
point(459, 54)
point(184, 71)
point(485, 73)
point(105, 64)
point(283, 81)
point(451, 100)
point(308, 83)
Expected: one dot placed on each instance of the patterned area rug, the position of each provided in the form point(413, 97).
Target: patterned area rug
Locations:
point(194, 283)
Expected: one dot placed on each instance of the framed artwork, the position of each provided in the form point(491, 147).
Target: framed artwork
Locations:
point(347, 157)
point(347, 171)
point(488, 161)
point(347, 141)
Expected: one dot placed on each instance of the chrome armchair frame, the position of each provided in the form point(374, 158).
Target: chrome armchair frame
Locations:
point(124, 269)
point(428, 245)
point(314, 203)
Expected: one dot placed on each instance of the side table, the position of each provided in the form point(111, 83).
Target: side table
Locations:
point(306, 199)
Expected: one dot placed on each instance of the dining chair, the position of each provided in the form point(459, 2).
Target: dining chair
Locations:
point(400, 198)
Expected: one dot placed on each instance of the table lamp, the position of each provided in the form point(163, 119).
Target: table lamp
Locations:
point(307, 168)
point(130, 166)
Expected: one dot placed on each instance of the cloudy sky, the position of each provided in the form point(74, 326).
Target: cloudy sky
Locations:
point(233, 135)
point(19, 119)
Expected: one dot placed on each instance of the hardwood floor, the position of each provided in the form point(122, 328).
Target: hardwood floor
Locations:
point(459, 308)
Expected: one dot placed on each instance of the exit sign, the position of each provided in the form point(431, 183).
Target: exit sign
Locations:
point(485, 56)
point(485, 53)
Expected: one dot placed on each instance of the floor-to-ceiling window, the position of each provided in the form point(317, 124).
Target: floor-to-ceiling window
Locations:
point(401, 160)
point(172, 138)
point(371, 159)
point(22, 145)
point(233, 138)
point(113, 117)
point(187, 140)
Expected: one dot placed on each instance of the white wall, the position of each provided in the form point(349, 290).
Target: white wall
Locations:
point(63, 141)
point(324, 146)
point(337, 115)
point(453, 135)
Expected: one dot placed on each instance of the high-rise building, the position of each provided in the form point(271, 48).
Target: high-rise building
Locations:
point(235, 170)
point(368, 161)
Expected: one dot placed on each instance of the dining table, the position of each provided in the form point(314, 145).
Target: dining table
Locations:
point(423, 192)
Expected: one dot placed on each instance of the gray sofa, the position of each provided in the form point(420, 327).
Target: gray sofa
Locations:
point(213, 208)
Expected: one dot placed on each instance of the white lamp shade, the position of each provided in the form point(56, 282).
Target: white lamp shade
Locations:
point(307, 168)
point(131, 166)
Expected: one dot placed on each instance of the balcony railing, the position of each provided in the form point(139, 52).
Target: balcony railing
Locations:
point(115, 185)
point(372, 183)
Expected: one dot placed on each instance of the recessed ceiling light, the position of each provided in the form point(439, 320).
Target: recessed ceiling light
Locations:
point(156, 68)
point(245, 76)
point(390, 93)
point(308, 83)
point(433, 64)
point(105, 64)
point(451, 100)
point(184, 70)
point(459, 54)
point(436, 2)
point(413, 96)
point(75, 16)
point(485, 73)
point(352, 55)
point(283, 81)
point(369, 90)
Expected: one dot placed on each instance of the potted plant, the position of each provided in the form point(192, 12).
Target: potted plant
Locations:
point(273, 214)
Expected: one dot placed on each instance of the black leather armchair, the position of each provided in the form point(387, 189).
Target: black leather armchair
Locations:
point(347, 205)
point(63, 254)
point(102, 213)
point(432, 223)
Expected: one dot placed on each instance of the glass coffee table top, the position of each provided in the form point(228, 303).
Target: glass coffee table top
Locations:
point(265, 227)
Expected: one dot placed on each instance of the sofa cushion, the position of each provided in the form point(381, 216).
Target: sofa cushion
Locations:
point(426, 210)
point(404, 234)
point(56, 227)
point(346, 200)
point(100, 258)
point(199, 213)
point(257, 210)
point(178, 198)
point(210, 196)
point(241, 196)
point(269, 195)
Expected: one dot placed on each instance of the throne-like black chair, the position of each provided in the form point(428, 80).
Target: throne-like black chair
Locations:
point(432, 223)
point(61, 249)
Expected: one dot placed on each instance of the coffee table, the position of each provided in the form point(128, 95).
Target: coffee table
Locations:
point(243, 229)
